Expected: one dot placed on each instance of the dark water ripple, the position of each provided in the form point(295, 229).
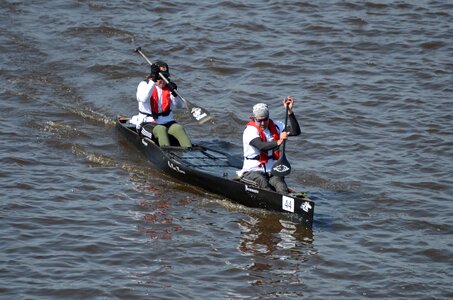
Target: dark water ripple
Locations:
point(83, 215)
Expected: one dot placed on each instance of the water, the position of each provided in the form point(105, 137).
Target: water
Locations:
point(84, 215)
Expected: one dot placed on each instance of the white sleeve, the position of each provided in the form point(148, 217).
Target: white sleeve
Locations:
point(144, 90)
point(249, 134)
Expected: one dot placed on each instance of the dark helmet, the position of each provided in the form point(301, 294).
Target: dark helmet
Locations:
point(163, 68)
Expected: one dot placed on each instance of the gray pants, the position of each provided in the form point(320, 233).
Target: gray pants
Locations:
point(266, 181)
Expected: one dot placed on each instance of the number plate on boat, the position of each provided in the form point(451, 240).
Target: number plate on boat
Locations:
point(288, 203)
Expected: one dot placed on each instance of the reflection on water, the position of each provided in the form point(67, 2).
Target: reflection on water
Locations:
point(277, 248)
point(157, 224)
point(266, 235)
point(154, 215)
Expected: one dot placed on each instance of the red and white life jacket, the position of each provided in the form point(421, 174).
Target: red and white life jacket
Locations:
point(166, 101)
point(276, 136)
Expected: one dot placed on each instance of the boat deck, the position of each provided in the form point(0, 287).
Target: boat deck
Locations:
point(208, 160)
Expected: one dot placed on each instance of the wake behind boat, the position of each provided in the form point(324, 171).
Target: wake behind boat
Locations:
point(215, 172)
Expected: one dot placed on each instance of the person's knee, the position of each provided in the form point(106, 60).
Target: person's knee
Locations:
point(176, 129)
point(179, 133)
point(282, 189)
point(161, 133)
point(279, 184)
point(159, 129)
point(259, 179)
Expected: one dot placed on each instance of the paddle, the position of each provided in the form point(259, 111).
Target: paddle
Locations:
point(198, 113)
point(282, 167)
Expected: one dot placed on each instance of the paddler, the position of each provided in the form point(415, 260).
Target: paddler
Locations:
point(156, 101)
point(261, 140)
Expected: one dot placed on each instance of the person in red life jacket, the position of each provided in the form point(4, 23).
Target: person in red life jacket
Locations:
point(261, 140)
point(156, 101)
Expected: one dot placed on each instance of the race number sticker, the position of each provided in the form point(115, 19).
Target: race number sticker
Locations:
point(288, 203)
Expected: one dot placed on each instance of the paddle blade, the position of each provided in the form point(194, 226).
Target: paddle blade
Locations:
point(198, 113)
point(281, 167)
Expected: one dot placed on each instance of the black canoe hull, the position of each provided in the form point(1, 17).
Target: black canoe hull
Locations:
point(214, 171)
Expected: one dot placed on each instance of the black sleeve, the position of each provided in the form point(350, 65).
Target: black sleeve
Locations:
point(263, 146)
point(294, 128)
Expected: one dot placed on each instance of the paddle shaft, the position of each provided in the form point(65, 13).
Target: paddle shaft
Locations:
point(286, 124)
point(282, 167)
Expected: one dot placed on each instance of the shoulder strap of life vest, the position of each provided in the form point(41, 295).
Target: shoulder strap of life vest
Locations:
point(276, 136)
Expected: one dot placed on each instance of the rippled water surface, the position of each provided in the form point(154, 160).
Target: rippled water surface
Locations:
point(84, 215)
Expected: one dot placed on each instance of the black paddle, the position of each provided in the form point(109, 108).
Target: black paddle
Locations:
point(198, 113)
point(282, 167)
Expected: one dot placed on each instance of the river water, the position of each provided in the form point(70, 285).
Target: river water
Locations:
point(84, 215)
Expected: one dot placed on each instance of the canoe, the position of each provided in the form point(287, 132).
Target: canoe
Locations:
point(215, 172)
